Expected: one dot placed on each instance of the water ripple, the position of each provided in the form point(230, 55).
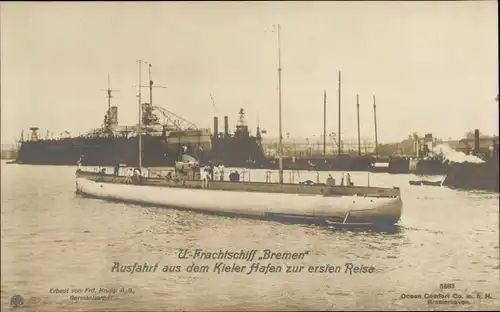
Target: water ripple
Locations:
point(53, 238)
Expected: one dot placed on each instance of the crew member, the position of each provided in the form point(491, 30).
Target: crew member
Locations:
point(137, 176)
point(216, 173)
point(234, 176)
point(206, 172)
point(205, 177)
point(348, 179)
point(221, 172)
point(80, 161)
point(211, 171)
point(330, 181)
point(194, 170)
point(116, 169)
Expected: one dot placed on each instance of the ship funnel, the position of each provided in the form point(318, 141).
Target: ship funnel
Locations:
point(226, 126)
point(216, 127)
point(476, 142)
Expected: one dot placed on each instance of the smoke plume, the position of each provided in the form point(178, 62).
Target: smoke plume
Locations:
point(451, 155)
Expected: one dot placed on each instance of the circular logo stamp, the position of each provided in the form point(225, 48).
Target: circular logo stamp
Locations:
point(16, 301)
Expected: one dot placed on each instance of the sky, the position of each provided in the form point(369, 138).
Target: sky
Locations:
point(433, 66)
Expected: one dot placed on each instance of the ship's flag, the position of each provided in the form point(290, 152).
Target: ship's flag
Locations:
point(264, 131)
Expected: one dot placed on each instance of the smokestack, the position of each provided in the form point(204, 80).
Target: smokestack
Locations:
point(476, 142)
point(226, 126)
point(216, 127)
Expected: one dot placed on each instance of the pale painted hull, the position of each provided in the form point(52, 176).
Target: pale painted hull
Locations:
point(299, 207)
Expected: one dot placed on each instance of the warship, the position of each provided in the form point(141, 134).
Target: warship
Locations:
point(165, 137)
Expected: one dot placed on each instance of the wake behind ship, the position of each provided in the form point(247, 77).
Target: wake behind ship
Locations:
point(163, 143)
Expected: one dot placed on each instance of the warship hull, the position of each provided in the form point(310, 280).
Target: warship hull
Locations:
point(156, 151)
point(159, 148)
point(96, 151)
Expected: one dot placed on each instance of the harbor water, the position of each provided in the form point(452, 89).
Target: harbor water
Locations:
point(53, 239)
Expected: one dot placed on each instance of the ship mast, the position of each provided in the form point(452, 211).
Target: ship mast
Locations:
point(375, 119)
point(139, 126)
point(324, 124)
point(340, 118)
point(359, 129)
point(140, 86)
point(109, 90)
point(151, 87)
point(280, 147)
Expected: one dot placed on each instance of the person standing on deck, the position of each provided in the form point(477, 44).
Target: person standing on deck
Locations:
point(128, 175)
point(117, 169)
point(330, 181)
point(80, 161)
point(195, 169)
point(204, 176)
point(201, 171)
point(211, 171)
point(221, 170)
point(348, 179)
point(216, 173)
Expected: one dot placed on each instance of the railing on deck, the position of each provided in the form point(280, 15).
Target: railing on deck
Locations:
point(292, 177)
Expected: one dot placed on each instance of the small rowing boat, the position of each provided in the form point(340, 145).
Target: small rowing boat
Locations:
point(423, 182)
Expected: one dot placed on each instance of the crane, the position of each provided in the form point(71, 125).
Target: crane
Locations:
point(176, 121)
